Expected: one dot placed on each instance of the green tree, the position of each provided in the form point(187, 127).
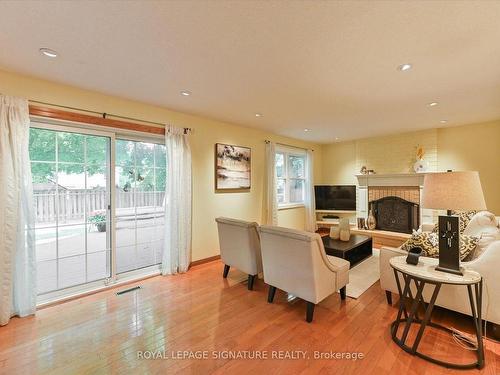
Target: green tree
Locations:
point(139, 162)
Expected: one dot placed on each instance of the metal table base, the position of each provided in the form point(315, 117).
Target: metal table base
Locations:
point(411, 317)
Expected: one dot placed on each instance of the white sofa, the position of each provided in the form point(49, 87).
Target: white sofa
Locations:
point(486, 262)
point(295, 261)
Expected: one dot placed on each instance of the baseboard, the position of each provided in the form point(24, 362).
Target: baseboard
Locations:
point(203, 261)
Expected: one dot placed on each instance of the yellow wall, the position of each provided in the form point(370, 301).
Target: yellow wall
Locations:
point(474, 148)
point(468, 147)
point(395, 153)
point(207, 204)
point(339, 163)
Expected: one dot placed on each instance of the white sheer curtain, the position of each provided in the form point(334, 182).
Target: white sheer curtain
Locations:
point(309, 193)
point(177, 249)
point(17, 245)
point(270, 188)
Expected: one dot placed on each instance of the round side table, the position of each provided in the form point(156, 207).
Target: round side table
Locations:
point(423, 274)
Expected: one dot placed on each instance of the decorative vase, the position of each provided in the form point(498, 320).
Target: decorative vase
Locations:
point(101, 227)
point(345, 230)
point(361, 223)
point(334, 232)
point(420, 166)
point(370, 221)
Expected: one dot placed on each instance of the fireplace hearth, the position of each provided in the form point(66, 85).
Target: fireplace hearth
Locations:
point(395, 214)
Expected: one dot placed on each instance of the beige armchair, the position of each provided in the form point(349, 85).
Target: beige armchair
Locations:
point(296, 262)
point(240, 247)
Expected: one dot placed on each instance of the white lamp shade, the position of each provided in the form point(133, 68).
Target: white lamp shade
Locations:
point(459, 191)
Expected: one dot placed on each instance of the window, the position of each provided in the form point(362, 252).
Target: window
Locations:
point(291, 177)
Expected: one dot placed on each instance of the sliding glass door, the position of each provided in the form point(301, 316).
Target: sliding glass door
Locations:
point(100, 207)
point(140, 175)
point(72, 197)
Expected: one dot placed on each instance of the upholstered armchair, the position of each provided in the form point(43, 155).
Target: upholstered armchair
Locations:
point(240, 247)
point(295, 261)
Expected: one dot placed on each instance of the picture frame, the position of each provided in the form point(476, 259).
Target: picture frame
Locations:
point(233, 167)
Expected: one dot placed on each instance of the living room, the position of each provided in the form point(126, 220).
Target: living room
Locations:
point(160, 159)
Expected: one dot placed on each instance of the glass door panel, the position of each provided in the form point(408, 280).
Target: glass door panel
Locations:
point(71, 189)
point(140, 188)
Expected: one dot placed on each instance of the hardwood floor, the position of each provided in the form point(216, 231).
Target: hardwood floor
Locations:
point(201, 311)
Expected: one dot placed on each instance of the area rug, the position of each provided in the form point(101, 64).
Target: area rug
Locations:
point(363, 275)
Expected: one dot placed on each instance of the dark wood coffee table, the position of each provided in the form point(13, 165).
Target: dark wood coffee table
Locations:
point(358, 248)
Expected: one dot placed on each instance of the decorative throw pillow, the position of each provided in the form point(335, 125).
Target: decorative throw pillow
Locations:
point(467, 245)
point(428, 242)
point(464, 218)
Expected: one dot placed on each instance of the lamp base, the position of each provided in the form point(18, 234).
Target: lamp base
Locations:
point(450, 270)
point(449, 246)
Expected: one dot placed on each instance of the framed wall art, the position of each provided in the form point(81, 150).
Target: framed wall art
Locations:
point(232, 167)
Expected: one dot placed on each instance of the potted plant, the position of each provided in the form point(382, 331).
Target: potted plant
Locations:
point(98, 218)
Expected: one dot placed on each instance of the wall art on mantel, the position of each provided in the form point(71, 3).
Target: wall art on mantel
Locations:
point(232, 167)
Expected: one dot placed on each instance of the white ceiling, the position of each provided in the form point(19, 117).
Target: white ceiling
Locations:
point(326, 66)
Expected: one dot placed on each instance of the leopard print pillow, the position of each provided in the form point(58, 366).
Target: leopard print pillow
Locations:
point(467, 245)
point(464, 218)
point(429, 243)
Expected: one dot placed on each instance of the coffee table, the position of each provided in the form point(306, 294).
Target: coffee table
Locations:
point(358, 248)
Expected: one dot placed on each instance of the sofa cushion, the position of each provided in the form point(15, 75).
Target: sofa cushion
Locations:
point(481, 223)
point(484, 225)
point(429, 243)
point(485, 241)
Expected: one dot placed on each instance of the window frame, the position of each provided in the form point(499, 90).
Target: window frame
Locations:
point(288, 152)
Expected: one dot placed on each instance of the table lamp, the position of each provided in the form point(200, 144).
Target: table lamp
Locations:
point(459, 191)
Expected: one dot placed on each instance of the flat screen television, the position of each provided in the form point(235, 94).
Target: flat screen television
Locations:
point(335, 197)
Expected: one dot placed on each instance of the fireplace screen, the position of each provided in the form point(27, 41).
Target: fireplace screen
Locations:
point(395, 214)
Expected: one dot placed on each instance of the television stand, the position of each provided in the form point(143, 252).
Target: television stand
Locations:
point(335, 211)
point(332, 217)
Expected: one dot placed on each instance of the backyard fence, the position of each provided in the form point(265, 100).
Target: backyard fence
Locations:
point(68, 205)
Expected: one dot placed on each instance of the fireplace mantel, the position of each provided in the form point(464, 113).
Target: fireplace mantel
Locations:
point(396, 179)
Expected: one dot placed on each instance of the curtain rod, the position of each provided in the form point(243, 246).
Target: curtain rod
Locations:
point(103, 114)
point(284, 144)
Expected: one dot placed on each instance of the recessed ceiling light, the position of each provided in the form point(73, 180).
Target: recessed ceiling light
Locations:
point(433, 104)
point(307, 130)
point(443, 121)
point(258, 115)
point(48, 52)
point(404, 67)
point(185, 93)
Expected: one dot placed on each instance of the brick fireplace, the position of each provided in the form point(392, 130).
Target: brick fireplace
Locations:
point(396, 208)
point(396, 198)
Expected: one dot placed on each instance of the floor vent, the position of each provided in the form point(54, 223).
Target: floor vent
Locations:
point(128, 290)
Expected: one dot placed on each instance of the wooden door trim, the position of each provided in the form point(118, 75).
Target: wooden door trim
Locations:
point(59, 114)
